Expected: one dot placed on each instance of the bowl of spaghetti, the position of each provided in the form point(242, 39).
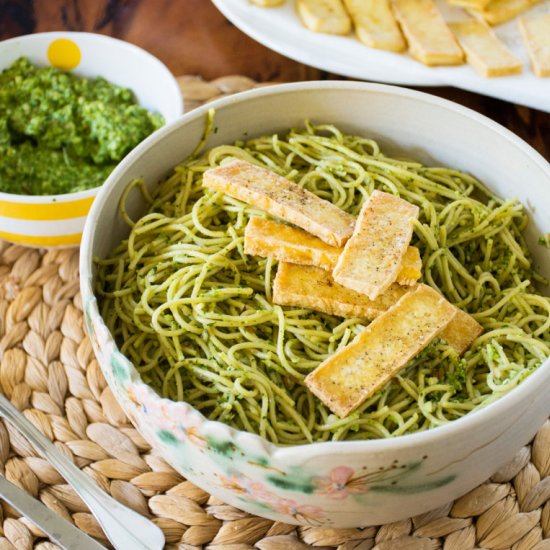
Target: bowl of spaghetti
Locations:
point(214, 371)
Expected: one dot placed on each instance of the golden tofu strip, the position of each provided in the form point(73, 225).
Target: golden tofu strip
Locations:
point(347, 378)
point(269, 239)
point(268, 3)
point(484, 51)
point(500, 11)
point(461, 331)
point(536, 35)
point(328, 16)
point(314, 288)
point(411, 267)
point(430, 40)
point(372, 257)
point(279, 197)
point(479, 4)
point(375, 24)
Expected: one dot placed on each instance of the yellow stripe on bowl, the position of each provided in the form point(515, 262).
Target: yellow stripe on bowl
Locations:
point(45, 211)
point(42, 240)
point(45, 221)
point(37, 224)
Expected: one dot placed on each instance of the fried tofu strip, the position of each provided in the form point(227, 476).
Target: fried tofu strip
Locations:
point(269, 239)
point(314, 288)
point(484, 51)
point(430, 40)
point(479, 4)
point(279, 197)
point(375, 24)
point(500, 11)
point(536, 35)
point(268, 3)
point(347, 378)
point(411, 267)
point(328, 16)
point(372, 257)
point(461, 331)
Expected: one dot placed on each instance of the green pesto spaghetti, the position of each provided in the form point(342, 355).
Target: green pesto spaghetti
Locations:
point(194, 313)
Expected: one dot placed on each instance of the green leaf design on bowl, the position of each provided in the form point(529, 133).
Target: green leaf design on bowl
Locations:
point(289, 484)
point(413, 489)
point(120, 368)
point(224, 448)
point(168, 437)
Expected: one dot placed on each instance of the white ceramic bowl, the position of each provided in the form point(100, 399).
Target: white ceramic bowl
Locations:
point(341, 484)
point(58, 220)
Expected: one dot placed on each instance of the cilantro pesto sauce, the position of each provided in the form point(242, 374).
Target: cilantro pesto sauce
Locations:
point(60, 133)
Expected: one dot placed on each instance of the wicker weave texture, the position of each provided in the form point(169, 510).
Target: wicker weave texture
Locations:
point(47, 369)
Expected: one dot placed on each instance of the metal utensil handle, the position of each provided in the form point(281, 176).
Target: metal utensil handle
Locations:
point(122, 526)
point(58, 529)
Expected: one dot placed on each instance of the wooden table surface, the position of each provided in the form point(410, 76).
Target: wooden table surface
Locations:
point(192, 37)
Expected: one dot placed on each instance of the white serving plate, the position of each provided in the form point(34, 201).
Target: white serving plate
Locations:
point(281, 30)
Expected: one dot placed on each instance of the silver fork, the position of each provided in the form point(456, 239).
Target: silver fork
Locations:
point(122, 526)
point(59, 530)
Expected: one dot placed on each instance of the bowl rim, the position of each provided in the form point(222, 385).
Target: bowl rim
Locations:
point(490, 412)
point(176, 97)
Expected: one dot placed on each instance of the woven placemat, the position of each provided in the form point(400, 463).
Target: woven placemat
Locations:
point(48, 370)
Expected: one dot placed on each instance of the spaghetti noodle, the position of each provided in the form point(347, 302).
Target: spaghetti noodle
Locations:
point(194, 313)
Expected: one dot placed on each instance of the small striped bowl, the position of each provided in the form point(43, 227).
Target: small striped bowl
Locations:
point(58, 220)
point(49, 220)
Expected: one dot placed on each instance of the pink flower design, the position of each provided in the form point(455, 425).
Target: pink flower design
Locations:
point(303, 512)
point(340, 483)
point(193, 436)
point(254, 490)
point(233, 484)
point(257, 492)
point(169, 416)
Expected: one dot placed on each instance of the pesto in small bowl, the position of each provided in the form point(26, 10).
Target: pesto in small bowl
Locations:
point(60, 133)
